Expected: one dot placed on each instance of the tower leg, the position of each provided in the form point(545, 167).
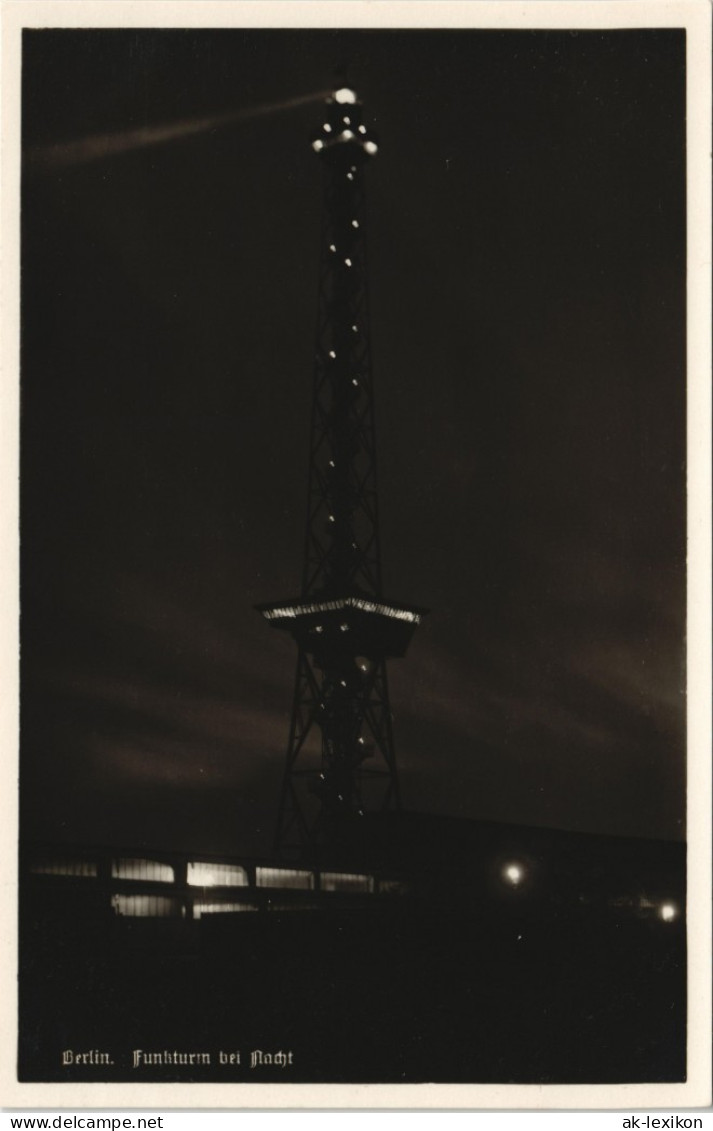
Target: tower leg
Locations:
point(340, 758)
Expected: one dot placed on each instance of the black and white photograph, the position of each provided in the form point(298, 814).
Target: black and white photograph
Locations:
point(353, 554)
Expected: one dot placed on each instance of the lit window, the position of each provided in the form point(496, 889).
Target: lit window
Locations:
point(150, 870)
point(146, 906)
point(208, 875)
point(391, 887)
point(284, 878)
point(203, 907)
point(345, 881)
point(64, 868)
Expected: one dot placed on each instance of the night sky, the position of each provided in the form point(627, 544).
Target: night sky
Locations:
point(526, 244)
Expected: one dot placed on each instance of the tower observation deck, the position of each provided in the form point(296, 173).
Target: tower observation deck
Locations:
point(340, 755)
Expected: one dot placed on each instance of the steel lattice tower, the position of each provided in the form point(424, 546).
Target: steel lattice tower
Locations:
point(340, 755)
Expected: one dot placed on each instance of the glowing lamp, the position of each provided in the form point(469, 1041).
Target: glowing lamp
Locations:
point(344, 95)
point(513, 873)
point(667, 911)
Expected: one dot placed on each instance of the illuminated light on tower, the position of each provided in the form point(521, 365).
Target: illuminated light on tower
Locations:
point(514, 874)
point(340, 755)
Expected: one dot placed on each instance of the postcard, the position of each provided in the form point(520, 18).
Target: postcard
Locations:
point(357, 380)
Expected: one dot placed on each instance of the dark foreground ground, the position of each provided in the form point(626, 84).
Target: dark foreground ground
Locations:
point(399, 993)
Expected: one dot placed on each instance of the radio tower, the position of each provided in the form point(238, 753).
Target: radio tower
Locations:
point(340, 754)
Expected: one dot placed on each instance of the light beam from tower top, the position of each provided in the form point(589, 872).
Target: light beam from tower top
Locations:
point(343, 134)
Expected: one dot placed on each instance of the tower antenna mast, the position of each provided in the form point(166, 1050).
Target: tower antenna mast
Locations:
point(340, 761)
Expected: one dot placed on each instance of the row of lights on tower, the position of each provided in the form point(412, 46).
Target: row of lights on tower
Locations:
point(332, 354)
point(355, 380)
point(333, 249)
point(347, 122)
point(346, 135)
